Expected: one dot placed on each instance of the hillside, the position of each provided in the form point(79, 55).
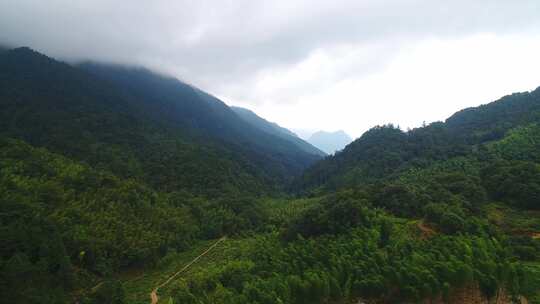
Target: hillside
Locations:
point(330, 142)
point(139, 124)
point(207, 119)
point(66, 226)
point(459, 223)
point(384, 151)
point(112, 179)
point(274, 129)
point(460, 226)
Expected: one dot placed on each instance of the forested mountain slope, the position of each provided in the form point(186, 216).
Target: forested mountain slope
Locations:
point(386, 150)
point(428, 234)
point(273, 128)
point(444, 218)
point(107, 171)
point(189, 108)
point(262, 123)
point(139, 124)
point(491, 121)
point(65, 224)
point(423, 227)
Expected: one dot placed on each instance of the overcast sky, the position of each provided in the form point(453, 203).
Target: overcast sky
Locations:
point(305, 64)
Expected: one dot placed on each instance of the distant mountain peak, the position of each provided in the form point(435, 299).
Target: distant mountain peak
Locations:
point(330, 142)
point(338, 132)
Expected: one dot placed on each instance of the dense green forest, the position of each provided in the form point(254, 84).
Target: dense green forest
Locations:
point(359, 243)
point(387, 151)
point(113, 178)
point(138, 124)
point(62, 220)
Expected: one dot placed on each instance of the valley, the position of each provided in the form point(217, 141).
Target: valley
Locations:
point(122, 185)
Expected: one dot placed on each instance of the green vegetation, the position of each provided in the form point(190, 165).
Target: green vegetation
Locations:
point(113, 179)
point(512, 219)
point(138, 285)
point(320, 260)
point(137, 124)
point(532, 270)
point(353, 265)
point(59, 216)
point(386, 151)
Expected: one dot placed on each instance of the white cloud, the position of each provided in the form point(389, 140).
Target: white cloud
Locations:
point(426, 81)
point(308, 63)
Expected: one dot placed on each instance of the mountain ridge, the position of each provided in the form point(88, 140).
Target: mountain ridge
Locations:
point(385, 150)
point(273, 128)
point(106, 171)
point(132, 113)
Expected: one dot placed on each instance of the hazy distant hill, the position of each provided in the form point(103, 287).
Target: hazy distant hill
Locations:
point(274, 129)
point(330, 142)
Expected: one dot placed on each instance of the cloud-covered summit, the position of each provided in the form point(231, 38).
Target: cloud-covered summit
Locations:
point(260, 53)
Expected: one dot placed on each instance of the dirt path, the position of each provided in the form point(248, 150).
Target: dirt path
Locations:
point(93, 289)
point(426, 231)
point(153, 295)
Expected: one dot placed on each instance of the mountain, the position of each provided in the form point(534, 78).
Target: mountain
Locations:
point(330, 142)
point(111, 173)
point(274, 129)
point(107, 167)
point(386, 151)
point(261, 123)
point(191, 109)
point(139, 124)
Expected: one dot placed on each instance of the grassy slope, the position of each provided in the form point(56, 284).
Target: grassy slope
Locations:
point(138, 286)
point(513, 220)
point(139, 283)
